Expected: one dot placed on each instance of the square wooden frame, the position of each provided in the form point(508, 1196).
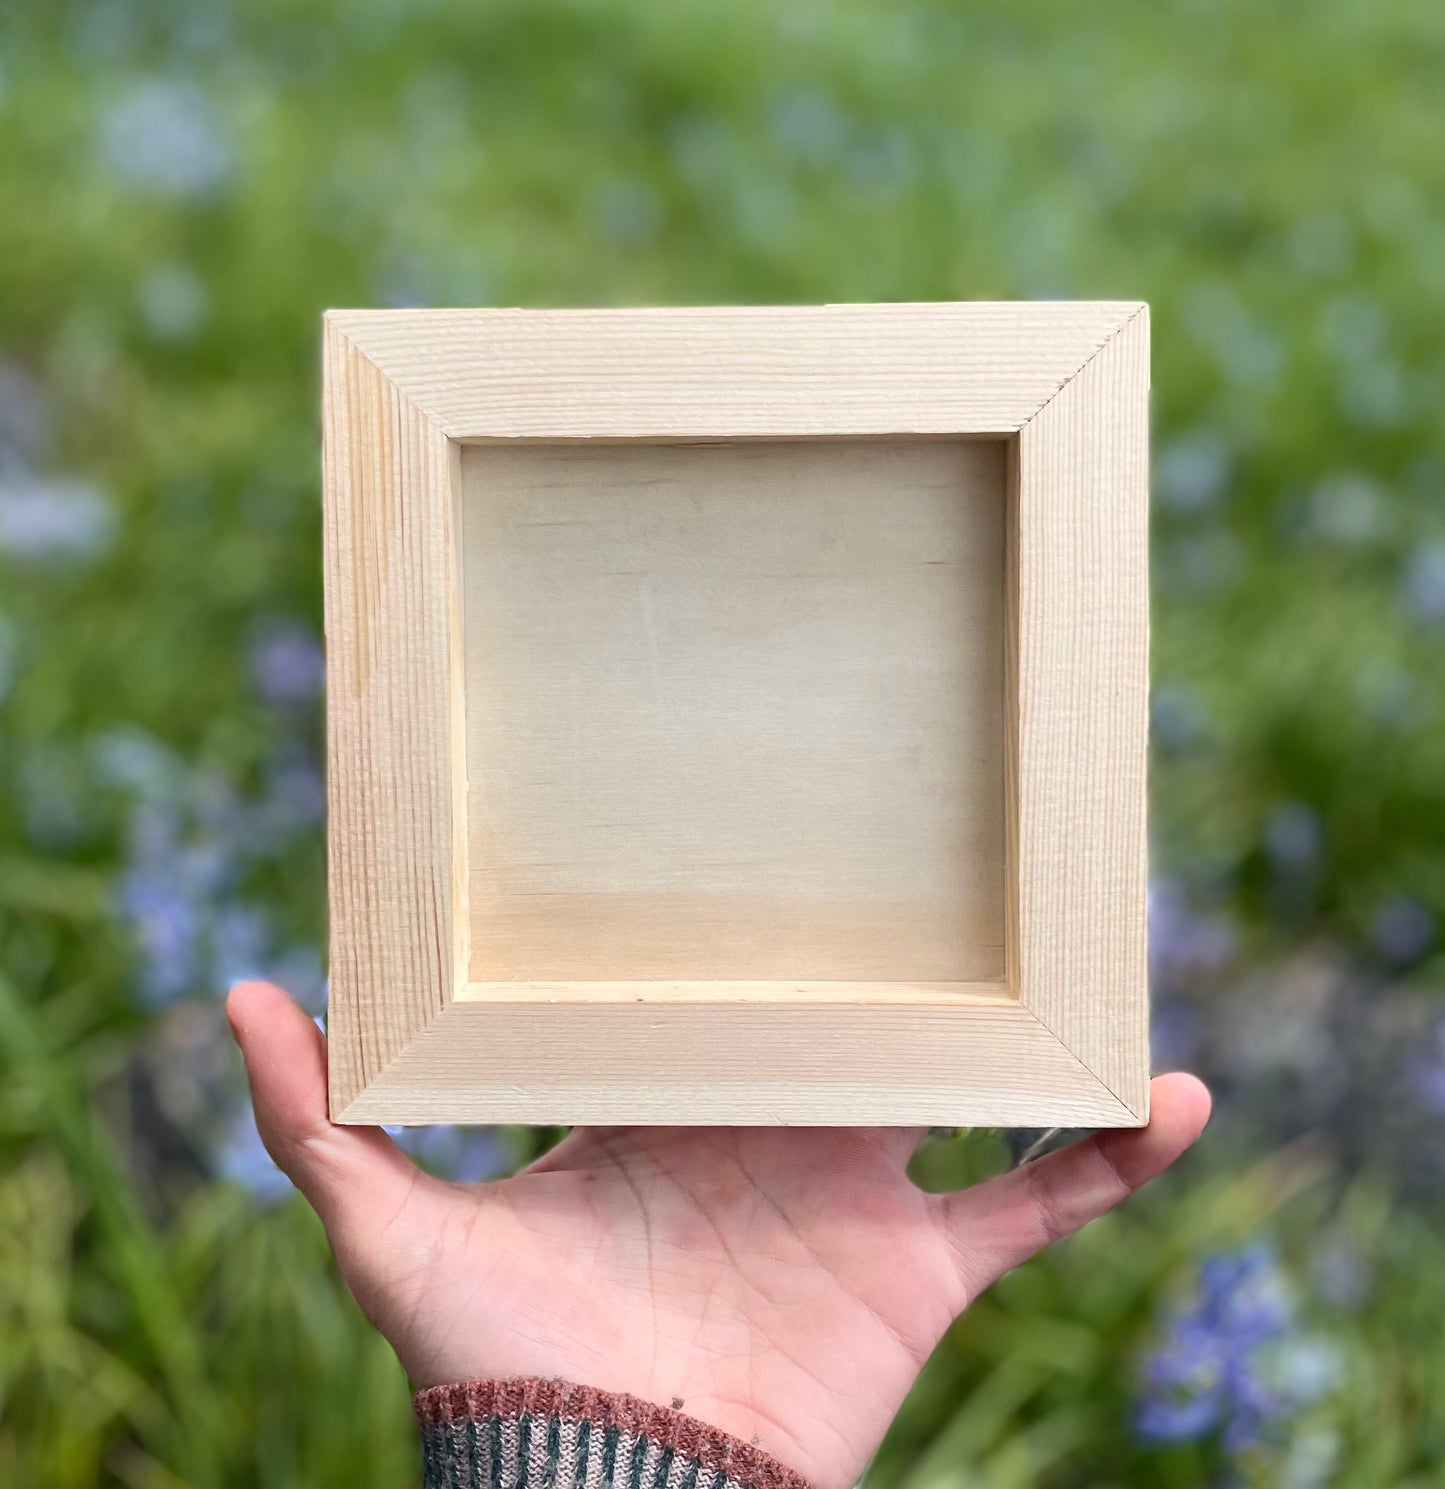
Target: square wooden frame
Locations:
point(1062, 1039)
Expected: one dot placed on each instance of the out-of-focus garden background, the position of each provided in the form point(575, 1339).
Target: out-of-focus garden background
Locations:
point(186, 184)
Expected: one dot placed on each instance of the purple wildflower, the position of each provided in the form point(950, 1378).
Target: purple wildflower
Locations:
point(298, 969)
point(1404, 930)
point(240, 942)
point(288, 666)
point(295, 786)
point(191, 843)
point(1208, 1377)
point(167, 921)
point(1184, 945)
point(1425, 1071)
point(24, 419)
point(1160, 1420)
point(242, 1158)
point(292, 801)
point(1174, 1034)
point(466, 1155)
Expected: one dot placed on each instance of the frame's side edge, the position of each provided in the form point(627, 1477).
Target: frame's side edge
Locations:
point(812, 1064)
point(734, 372)
point(1083, 682)
point(390, 736)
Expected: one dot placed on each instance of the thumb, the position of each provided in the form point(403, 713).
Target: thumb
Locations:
point(997, 1225)
point(340, 1170)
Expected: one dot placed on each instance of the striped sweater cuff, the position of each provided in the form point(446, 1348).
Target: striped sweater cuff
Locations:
point(525, 1434)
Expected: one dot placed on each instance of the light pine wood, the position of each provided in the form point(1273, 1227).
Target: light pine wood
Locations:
point(752, 1061)
point(990, 994)
point(394, 707)
point(755, 372)
point(1082, 659)
point(735, 711)
point(442, 1009)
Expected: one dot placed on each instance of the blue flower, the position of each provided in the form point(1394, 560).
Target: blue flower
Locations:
point(1175, 1031)
point(1342, 1275)
point(626, 211)
point(173, 302)
point(191, 845)
point(240, 943)
point(1193, 471)
point(466, 1155)
point(295, 788)
point(53, 520)
point(1425, 1072)
point(298, 969)
point(25, 433)
point(241, 1157)
point(1422, 585)
point(1404, 930)
point(1185, 1420)
point(809, 126)
point(1292, 835)
point(163, 138)
point(1231, 1365)
point(1349, 510)
point(1184, 945)
point(134, 761)
point(167, 922)
point(288, 666)
point(1178, 718)
point(9, 655)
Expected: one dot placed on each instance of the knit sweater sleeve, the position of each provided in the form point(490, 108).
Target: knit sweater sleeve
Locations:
point(517, 1434)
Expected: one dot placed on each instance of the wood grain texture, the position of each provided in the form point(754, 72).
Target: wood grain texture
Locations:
point(732, 372)
point(1059, 1039)
point(992, 994)
point(393, 710)
point(1082, 580)
point(749, 1063)
point(735, 711)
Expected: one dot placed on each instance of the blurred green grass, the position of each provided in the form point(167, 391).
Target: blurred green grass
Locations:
point(184, 187)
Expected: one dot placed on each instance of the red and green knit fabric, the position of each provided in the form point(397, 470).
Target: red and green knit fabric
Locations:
point(547, 1434)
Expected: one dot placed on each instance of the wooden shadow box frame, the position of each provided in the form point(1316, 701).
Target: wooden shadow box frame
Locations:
point(1057, 1035)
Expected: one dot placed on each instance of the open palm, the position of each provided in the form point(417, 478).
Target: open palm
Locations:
point(783, 1284)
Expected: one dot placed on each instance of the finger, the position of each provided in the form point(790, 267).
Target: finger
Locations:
point(996, 1226)
point(338, 1169)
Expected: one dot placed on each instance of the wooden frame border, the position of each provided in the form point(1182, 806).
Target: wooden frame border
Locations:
point(1063, 1041)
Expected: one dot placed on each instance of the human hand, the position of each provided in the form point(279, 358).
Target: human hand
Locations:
point(785, 1284)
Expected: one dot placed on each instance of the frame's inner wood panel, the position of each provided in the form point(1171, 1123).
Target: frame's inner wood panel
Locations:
point(735, 711)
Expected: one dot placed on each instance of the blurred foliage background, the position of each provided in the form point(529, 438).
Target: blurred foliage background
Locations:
point(186, 184)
